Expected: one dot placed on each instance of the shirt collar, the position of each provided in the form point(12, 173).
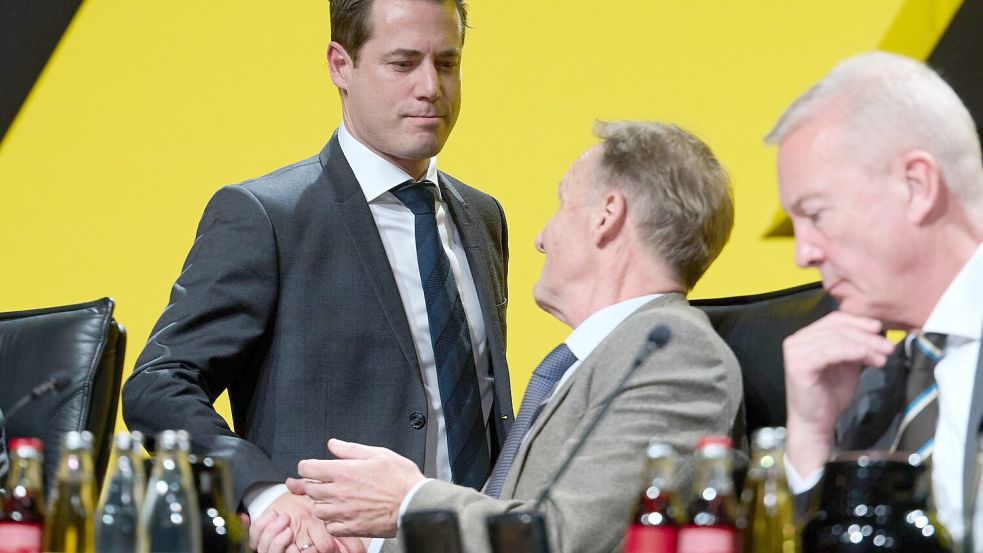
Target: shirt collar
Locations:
point(596, 328)
point(959, 311)
point(375, 174)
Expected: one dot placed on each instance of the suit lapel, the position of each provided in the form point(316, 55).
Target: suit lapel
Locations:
point(352, 208)
point(972, 447)
point(871, 420)
point(582, 373)
point(478, 261)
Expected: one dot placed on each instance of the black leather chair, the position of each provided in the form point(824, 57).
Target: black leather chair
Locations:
point(754, 327)
point(82, 340)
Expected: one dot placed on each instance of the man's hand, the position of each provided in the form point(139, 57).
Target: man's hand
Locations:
point(290, 522)
point(273, 535)
point(359, 493)
point(822, 370)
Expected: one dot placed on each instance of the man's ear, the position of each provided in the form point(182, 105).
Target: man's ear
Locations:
point(609, 217)
point(926, 192)
point(340, 65)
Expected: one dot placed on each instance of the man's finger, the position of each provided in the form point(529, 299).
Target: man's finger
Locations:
point(295, 485)
point(351, 450)
point(256, 530)
point(279, 525)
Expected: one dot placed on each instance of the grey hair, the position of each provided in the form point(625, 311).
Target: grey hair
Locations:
point(887, 103)
point(677, 192)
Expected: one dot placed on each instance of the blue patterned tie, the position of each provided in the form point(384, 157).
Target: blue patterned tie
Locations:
point(467, 444)
point(543, 380)
point(916, 432)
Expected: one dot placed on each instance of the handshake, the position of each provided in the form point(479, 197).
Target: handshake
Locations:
point(338, 504)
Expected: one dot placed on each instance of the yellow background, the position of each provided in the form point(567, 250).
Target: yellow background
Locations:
point(147, 107)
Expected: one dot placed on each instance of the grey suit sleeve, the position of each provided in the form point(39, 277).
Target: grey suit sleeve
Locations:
point(690, 389)
point(4, 462)
point(217, 316)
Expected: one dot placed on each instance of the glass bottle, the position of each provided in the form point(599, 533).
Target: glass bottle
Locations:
point(22, 521)
point(767, 517)
point(169, 521)
point(655, 525)
point(69, 528)
point(222, 532)
point(712, 514)
point(118, 515)
point(875, 501)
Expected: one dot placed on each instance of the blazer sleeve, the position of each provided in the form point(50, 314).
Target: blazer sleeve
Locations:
point(215, 322)
point(689, 389)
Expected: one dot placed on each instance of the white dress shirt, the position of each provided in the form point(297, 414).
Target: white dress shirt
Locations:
point(959, 315)
point(396, 223)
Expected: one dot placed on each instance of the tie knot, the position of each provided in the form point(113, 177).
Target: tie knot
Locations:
point(556, 363)
point(926, 351)
point(419, 197)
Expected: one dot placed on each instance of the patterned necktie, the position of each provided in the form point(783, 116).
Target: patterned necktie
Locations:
point(467, 444)
point(916, 433)
point(543, 380)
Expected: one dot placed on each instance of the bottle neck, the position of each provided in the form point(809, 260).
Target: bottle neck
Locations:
point(715, 473)
point(25, 475)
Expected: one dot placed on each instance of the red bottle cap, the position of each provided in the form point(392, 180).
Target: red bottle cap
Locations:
point(723, 441)
point(33, 443)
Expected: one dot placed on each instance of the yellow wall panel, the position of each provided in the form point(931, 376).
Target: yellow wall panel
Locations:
point(147, 107)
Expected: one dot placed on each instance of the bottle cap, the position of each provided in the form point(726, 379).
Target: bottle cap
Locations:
point(719, 441)
point(769, 438)
point(128, 441)
point(77, 440)
point(170, 440)
point(659, 450)
point(31, 443)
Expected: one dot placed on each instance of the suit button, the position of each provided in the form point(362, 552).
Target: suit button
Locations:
point(417, 420)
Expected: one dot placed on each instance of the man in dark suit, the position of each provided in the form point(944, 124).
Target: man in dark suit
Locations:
point(641, 217)
point(357, 294)
point(880, 170)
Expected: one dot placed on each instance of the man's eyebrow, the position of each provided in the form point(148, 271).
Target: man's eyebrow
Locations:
point(410, 53)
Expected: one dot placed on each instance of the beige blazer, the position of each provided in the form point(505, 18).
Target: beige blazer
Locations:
point(690, 388)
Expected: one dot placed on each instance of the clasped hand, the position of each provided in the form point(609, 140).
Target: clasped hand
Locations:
point(356, 495)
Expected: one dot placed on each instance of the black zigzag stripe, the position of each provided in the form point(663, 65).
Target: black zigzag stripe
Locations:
point(959, 57)
point(29, 32)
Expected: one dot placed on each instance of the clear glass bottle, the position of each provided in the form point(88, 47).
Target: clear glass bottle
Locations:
point(766, 504)
point(169, 522)
point(118, 515)
point(22, 520)
point(654, 527)
point(712, 514)
point(69, 528)
point(222, 532)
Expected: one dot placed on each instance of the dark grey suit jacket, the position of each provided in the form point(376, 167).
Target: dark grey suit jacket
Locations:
point(287, 299)
point(871, 421)
point(690, 388)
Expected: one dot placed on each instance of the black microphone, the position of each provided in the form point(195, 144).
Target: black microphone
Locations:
point(657, 338)
point(56, 383)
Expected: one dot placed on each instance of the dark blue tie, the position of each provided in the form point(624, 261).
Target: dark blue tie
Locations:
point(543, 380)
point(457, 378)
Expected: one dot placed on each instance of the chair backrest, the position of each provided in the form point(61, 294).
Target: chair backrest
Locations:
point(754, 327)
point(82, 340)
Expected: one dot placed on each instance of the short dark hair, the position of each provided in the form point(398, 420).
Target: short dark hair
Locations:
point(350, 22)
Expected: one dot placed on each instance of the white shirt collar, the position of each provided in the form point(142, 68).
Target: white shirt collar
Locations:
point(375, 174)
point(596, 328)
point(959, 311)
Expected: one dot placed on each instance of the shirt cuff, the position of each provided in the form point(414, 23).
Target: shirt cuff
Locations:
point(258, 498)
point(797, 484)
point(405, 504)
point(375, 545)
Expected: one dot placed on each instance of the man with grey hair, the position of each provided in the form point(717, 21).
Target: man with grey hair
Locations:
point(641, 217)
point(880, 170)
